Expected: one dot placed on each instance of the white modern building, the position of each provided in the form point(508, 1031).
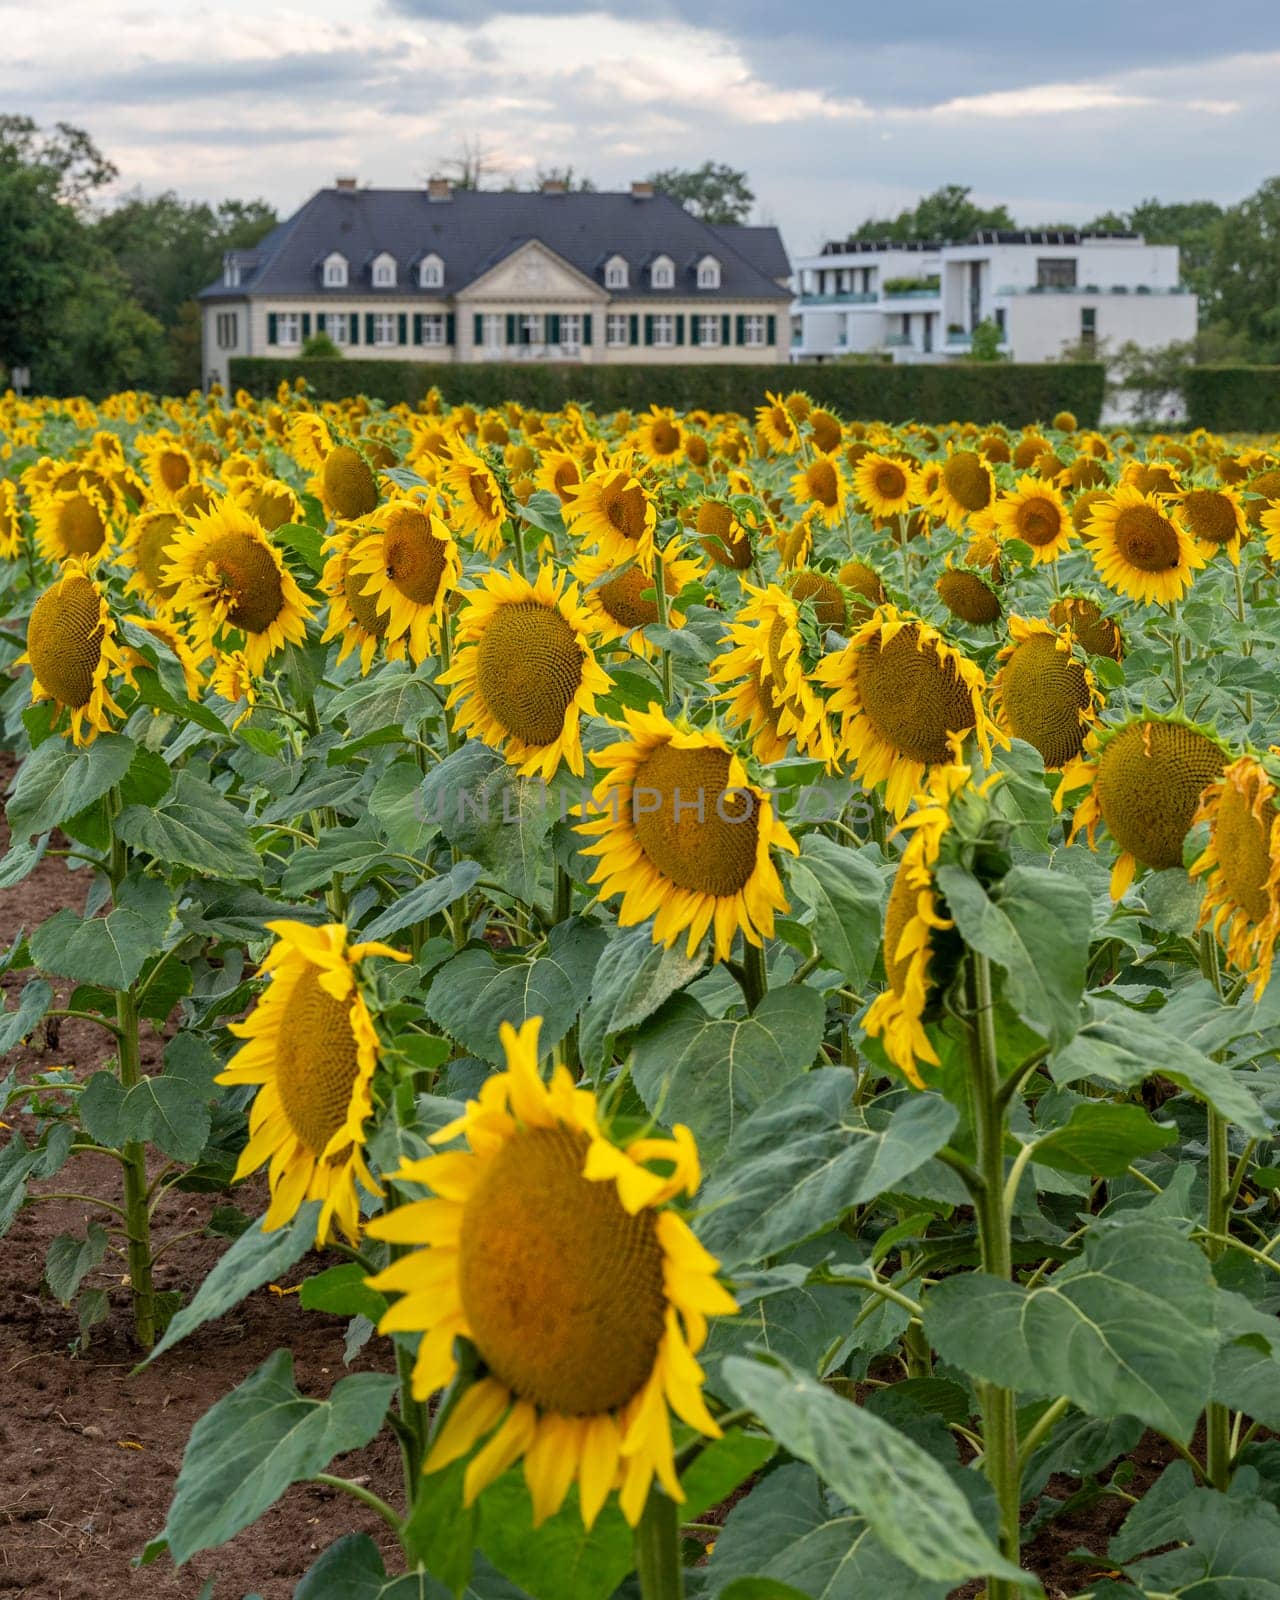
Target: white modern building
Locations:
point(1045, 290)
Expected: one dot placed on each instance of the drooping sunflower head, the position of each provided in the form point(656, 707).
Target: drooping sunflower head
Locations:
point(312, 1049)
point(1043, 692)
point(683, 837)
point(347, 484)
point(1064, 421)
point(146, 549)
point(1138, 550)
point(825, 430)
point(72, 522)
point(722, 536)
point(1097, 633)
point(965, 488)
point(969, 595)
point(1035, 513)
point(1087, 472)
point(1242, 860)
point(865, 589)
point(884, 484)
point(822, 485)
point(1215, 519)
point(230, 576)
point(903, 694)
point(553, 1248)
point(407, 569)
point(1145, 781)
point(825, 594)
point(612, 509)
point(523, 674)
point(72, 649)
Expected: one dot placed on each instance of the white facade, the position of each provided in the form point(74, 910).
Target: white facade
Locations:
point(1045, 291)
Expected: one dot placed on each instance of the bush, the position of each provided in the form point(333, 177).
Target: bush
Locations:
point(1233, 399)
point(909, 285)
point(957, 391)
point(320, 347)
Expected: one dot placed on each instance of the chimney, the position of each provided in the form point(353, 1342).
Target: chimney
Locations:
point(554, 186)
point(344, 183)
point(439, 189)
point(642, 190)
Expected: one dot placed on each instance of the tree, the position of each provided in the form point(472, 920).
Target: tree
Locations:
point(713, 192)
point(947, 213)
point(566, 176)
point(320, 347)
point(985, 342)
point(468, 167)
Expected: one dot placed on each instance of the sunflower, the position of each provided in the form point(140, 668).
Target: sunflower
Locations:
point(776, 425)
point(1145, 781)
point(1042, 693)
point(1261, 491)
point(884, 485)
point(1242, 858)
point(826, 594)
point(523, 674)
point(310, 440)
point(1151, 477)
point(1065, 421)
point(312, 1046)
point(558, 472)
point(903, 694)
point(968, 595)
point(72, 647)
point(72, 522)
point(659, 435)
point(865, 589)
point(1035, 513)
point(477, 500)
point(825, 430)
point(769, 651)
point(168, 465)
point(270, 502)
point(1138, 551)
point(1215, 519)
point(722, 536)
point(623, 602)
point(347, 484)
point(145, 548)
point(914, 916)
point(965, 488)
point(355, 617)
point(552, 1248)
point(233, 679)
point(685, 838)
point(407, 568)
point(230, 576)
point(10, 521)
point(172, 636)
point(822, 485)
point(611, 509)
point(1099, 635)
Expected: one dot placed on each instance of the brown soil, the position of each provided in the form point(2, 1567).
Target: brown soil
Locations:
point(90, 1450)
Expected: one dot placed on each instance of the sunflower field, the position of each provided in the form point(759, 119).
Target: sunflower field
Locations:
point(734, 954)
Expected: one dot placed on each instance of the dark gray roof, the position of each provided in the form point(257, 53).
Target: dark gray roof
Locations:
point(476, 229)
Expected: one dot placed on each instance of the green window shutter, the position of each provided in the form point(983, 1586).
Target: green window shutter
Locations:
point(724, 328)
point(511, 327)
point(417, 327)
point(273, 324)
point(553, 328)
point(771, 331)
point(353, 327)
point(679, 327)
point(368, 327)
point(586, 328)
point(321, 319)
point(477, 330)
point(742, 330)
point(648, 328)
point(695, 330)
point(635, 327)
point(306, 324)
point(450, 327)
point(402, 328)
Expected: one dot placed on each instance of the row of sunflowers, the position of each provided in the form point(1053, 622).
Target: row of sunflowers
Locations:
point(745, 944)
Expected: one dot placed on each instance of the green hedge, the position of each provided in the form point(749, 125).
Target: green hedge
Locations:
point(1233, 399)
point(954, 391)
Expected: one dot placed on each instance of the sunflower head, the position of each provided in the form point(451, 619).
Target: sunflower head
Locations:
point(1242, 861)
point(1082, 614)
point(722, 537)
point(825, 594)
point(1064, 422)
point(864, 583)
point(407, 569)
point(612, 509)
point(1043, 693)
point(965, 487)
point(1215, 519)
point(1138, 549)
point(347, 484)
point(821, 484)
point(1035, 513)
point(825, 430)
point(72, 650)
point(884, 484)
point(969, 596)
point(72, 522)
point(147, 548)
point(777, 426)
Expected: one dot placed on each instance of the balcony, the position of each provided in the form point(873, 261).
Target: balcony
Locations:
point(849, 297)
point(1088, 288)
point(959, 341)
point(896, 341)
point(913, 294)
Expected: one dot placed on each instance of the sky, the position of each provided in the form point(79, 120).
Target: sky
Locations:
point(837, 109)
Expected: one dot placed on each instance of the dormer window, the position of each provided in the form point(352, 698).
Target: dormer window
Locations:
point(335, 271)
point(231, 272)
point(662, 273)
point(383, 274)
point(431, 272)
point(615, 273)
point(708, 273)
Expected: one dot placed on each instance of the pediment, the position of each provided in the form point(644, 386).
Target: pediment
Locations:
point(533, 271)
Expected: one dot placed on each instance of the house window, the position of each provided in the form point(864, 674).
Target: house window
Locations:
point(384, 273)
point(231, 273)
point(384, 328)
point(431, 275)
point(571, 331)
point(228, 330)
point(753, 330)
point(709, 329)
point(1056, 272)
point(615, 273)
point(337, 324)
point(1089, 327)
point(288, 328)
point(664, 329)
point(335, 272)
point(708, 273)
point(616, 329)
point(492, 333)
point(531, 328)
point(1000, 322)
point(433, 328)
point(662, 274)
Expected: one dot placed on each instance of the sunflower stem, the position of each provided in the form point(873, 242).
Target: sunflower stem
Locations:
point(1175, 647)
point(134, 1154)
point(1217, 1418)
point(998, 1404)
point(660, 601)
point(658, 1565)
point(906, 557)
point(1247, 646)
point(458, 915)
point(755, 977)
